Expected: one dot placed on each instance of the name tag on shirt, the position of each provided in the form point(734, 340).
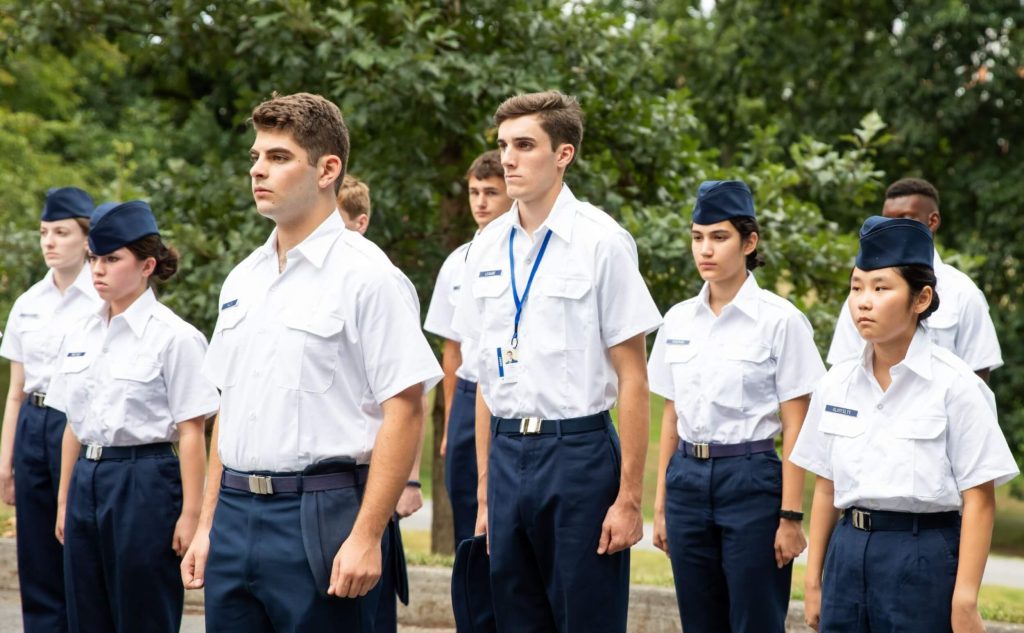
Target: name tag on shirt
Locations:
point(490, 273)
point(831, 408)
point(678, 341)
point(75, 354)
point(509, 367)
point(229, 304)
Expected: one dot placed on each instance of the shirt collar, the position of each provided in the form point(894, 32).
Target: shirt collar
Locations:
point(559, 220)
point(746, 300)
point(316, 245)
point(138, 313)
point(917, 360)
point(938, 260)
point(83, 282)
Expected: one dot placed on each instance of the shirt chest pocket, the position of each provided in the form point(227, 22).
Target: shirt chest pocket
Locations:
point(564, 313)
point(745, 377)
point(308, 352)
point(227, 347)
point(923, 440)
point(497, 310)
point(846, 447)
point(680, 355)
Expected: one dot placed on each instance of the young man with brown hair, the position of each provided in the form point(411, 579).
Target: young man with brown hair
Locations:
point(321, 370)
point(354, 204)
point(488, 199)
point(559, 311)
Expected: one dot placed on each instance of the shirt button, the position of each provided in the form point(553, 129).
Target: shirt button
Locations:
point(879, 407)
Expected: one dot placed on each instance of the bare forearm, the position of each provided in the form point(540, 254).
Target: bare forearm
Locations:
point(451, 359)
point(393, 456)
point(975, 540)
point(634, 423)
point(793, 413)
point(70, 448)
point(417, 462)
point(823, 520)
point(15, 398)
point(214, 471)
point(667, 446)
point(483, 446)
point(192, 461)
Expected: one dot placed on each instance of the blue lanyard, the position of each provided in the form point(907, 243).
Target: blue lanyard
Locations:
point(529, 282)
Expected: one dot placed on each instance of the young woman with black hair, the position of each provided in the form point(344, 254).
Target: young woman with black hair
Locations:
point(907, 451)
point(736, 365)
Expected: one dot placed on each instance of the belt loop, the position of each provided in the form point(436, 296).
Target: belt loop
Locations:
point(558, 429)
point(915, 525)
point(747, 444)
point(133, 453)
point(298, 483)
point(494, 427)
point(686, 452)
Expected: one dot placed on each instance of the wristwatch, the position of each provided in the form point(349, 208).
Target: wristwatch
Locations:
point(791, 515)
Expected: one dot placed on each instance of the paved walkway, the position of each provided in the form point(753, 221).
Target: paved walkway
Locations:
point(1000, 570)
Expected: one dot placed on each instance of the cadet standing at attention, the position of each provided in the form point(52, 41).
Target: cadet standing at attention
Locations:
point(730, 362)
point(128, 379)
point(33, 433)
point(904, 439)
point(321, 367)
point(557, 305)
point(487, 200)
point(355, 209)
point(962, 323)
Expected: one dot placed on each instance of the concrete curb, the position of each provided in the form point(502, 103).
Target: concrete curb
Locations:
point(651, 609)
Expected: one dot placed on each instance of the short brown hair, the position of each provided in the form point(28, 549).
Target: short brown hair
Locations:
point(486, 165)
point(354, 197)
point(913, 187)
point(314, 122)
point(561, 116)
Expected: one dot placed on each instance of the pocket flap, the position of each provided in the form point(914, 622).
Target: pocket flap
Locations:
point(921, 428)
point(320, 324)
point(839, 424)
point(230, 317)
point(750, 352)
point(564, 287)
point(488, 287)
point(75, 362)
point(680, 353)
point(138, 370)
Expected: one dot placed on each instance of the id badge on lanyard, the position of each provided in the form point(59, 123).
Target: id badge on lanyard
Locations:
point(508, 365)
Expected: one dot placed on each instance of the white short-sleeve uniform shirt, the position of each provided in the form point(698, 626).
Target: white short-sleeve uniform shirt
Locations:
point(912, 448)
point(727, 374)
point(131, 380)
point(38, 321)
point(587, 296)
point(305, 357)
point(441, 312)
point(962, 323)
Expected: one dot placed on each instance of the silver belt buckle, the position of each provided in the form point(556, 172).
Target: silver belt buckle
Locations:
point(702, 450)
point(93, 452)
point(861, 520)
point(38, 399)
point(529, 426)
point(260, 485)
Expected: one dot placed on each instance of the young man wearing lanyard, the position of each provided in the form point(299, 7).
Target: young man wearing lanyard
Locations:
point(560, 313)
point(321, 365)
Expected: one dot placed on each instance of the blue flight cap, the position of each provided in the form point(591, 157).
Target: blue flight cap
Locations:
point(888, 242)
point(471, 587)
point(719, 200)
point(116, 224)
point(63, 203)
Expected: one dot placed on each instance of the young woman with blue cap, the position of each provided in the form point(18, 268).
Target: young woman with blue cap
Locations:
point(128, 379)
point(32, 432)
point(907, 450)
point(728, 362)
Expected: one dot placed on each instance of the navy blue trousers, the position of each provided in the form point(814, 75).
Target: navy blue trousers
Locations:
point(120, 570)
point(889, 582)
point(37, 447)
point(258, 578)
point(721, 516)
point(460, 476)
point(547, 498)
